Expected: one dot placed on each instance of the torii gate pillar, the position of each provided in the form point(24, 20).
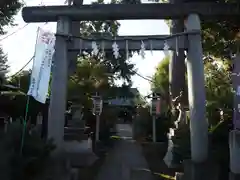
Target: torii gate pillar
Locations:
point(56, 116)
point(196, 92)
point(198, 167)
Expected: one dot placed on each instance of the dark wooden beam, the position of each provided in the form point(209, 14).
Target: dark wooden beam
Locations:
point(129, 11)
point(155, 44)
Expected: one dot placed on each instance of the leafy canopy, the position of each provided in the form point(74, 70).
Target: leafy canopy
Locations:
point(218, 87)
point(8, 9)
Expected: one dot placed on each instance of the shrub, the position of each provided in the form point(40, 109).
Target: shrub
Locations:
point(143, 125)
point(218, 145)
point(31, 162)
point(181, 141)
point(219, 148)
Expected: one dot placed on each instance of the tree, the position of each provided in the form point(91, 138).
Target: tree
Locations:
point(219, 91)
point(220, 37)
point(120, 68)
point(8, 9)
point(91, 77)
point(160, 80)
point(3, 66)
point(140, 101)
point(99, 72)
point(3, 61)
point(217, 82)
point(21, 80)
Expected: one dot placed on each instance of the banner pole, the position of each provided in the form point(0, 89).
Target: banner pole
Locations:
point(24, 124)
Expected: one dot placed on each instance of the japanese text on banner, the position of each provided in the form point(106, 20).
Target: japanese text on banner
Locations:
point(41, 70)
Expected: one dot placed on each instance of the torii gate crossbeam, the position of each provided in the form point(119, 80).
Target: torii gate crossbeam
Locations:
point(129, 11)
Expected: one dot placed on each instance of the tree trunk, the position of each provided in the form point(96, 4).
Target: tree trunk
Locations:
point(177, 69)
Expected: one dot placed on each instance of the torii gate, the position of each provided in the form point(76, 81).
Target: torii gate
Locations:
point(189, 40)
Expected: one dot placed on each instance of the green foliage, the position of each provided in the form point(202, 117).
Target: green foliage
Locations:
point(160, 82)
point(89, 76)
point(21, 80)
point(118, 68)
point(108, 121)
point(181, 141)
point(220, 37)
point(219, 95)
point(218, 91)
point(33, 159)
point(163, 124)
point(3, 63)
point(143, 125)
point(99, 73)
point(8, 9)
point(218, 146)
point(217, 84)
point(140, 101)
point(161, 78)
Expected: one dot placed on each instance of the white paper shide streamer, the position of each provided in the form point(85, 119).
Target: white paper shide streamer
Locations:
point(44, 50)
point(142, 50)
point(166, 49)
point(95, 49)
point(115, 50)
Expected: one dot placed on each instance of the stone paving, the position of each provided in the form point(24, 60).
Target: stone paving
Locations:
point(125, 160)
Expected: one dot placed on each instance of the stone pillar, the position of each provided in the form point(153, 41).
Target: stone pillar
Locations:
point(234, 146)
point(200, 171)
point(234, 135)
point(75, 31)
point(56, 116)
point(196, 92)
point(198, 168)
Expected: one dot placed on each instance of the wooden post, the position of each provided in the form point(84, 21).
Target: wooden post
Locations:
point(154, 128)
point(58, 98)
point(196, 93)
point(97, 126)
point(154, 115)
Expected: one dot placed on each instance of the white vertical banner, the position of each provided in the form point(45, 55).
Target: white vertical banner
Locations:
point(41, 70)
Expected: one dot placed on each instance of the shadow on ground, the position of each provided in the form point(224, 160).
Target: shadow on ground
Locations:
point(154, 154)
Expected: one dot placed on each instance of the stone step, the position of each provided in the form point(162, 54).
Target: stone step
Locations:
point(74, 130)
point(76, 123)
point(74, 136)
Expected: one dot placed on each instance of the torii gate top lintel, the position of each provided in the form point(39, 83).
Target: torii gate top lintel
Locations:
point(129, 11)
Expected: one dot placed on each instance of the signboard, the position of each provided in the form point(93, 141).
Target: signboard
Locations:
point(97, 106)
point(156, 107)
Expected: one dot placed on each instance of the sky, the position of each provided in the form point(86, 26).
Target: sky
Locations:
point(20, 46)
